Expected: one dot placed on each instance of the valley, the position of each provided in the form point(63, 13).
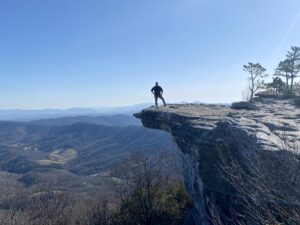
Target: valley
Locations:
point(80, 152)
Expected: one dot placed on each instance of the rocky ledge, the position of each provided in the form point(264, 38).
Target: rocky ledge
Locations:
point(201, 131)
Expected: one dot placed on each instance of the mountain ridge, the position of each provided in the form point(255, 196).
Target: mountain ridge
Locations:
point(35, 150)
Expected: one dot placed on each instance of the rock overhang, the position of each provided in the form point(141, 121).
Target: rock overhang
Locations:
point(272, 120)
point(202, 131)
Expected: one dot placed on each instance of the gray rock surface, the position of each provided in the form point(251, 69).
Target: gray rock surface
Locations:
point(201, 132)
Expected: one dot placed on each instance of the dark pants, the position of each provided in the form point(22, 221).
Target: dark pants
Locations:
point(161, 97)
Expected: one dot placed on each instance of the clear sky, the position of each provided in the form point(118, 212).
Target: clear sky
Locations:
point(90, 53)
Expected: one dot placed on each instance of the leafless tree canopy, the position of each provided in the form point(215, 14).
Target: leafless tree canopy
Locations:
point(149, 194)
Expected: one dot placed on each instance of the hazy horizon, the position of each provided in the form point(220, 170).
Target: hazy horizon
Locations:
point(64, 54)
point(75, 107)
point(110, 107)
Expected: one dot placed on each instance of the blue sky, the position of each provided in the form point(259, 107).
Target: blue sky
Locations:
point(75, 53)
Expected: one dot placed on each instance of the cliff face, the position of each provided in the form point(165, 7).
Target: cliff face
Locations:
point(204, 132)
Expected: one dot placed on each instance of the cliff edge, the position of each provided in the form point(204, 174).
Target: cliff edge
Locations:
point(204, 132)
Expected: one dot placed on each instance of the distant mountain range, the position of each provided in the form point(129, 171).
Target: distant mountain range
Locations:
point(29, 115)
point(78, 148)
point(105, 120)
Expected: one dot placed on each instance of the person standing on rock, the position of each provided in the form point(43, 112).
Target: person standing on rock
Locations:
point(157, 91)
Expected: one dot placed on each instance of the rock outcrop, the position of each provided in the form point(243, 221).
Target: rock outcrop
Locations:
point(203, 131)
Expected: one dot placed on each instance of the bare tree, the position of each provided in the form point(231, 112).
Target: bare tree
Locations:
point(94, 211)
point(266, 189)
point(148, 194)
point(256, 75)
point(11, 199)
point(141, 200)
point(46, 205)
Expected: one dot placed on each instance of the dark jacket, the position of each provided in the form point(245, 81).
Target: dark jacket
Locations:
point(157, 90)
